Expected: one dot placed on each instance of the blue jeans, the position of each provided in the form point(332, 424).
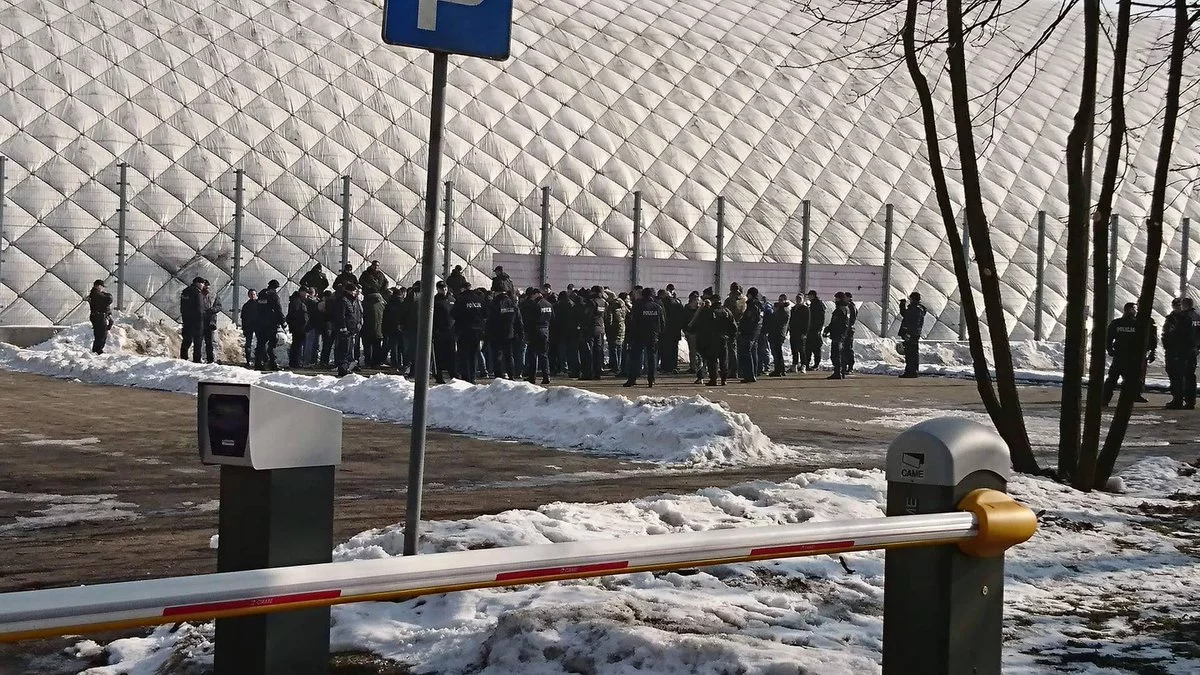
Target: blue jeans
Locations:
point(312, 343)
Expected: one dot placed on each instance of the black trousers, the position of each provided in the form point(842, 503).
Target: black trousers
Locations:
point(468, 355)
point(777, 353)
point(503, 360)
point(912, 356)
point(264, 348)
point(812, 356)
point(592, 364)
point(848, 353)
point(537, 355)
point(99, 333)
point(344, 352)
point(799, 349)
point(643, 352)
point(443, 357)
point(193, 338)
point(296, 349)
point(837, 350)
point(716, 362)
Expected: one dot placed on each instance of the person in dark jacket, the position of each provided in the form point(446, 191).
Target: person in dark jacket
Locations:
point(456, 280)
point(836, 332)
point(347, 276)
point(316, 280)
point(798, 327)
point(749, 330)
point(1171, 351)
point(816, 325)
point(249, 318)
point(325, 310)
point(677, 317)
point(1125, 352)
point(191, 312)
point(268, 320)
point(347, 323)
point(372, 281)
point(470, 320)
point(537, 317)
point(565, 333)
point(592, 328)
point(503, 328)
point(848, 346)
point(912, 322)
point(99, 314)
point(412, 322)
point(393, 329)
point(716, 328)
point(212, 309)
point(502, 283)
point(646, 324)
point(297, 323)
point(781, 320)
point(374, 307)
point(443, 333)
point(312, 337)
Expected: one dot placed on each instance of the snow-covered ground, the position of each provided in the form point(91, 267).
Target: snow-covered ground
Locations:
point(1110, 584)
point(668, 430)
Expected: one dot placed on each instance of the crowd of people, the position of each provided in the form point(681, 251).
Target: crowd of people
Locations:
point(582, 333)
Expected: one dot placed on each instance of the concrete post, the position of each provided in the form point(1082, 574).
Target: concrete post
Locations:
point(1183, 250)
point(634, 275)
point(345, 221)
point(1114, 229)
point(1040, 280)
point(448, 240)
point(962, 314)
point(887, 271)
point(719, 272)
point(943, 608)
point(805, 219)
point(238, 206)
point(3, 198)
point(544, 252)
point(122, 209)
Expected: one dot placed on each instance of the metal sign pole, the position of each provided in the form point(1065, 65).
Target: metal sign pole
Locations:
point(416, 458)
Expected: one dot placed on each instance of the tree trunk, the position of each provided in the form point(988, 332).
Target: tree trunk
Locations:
point(1011, 425)
point(1079, 191)
point(1086, 475)
point(1158, 199)
point(983, 377)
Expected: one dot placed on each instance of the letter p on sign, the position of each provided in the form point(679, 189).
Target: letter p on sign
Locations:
point(427, 11)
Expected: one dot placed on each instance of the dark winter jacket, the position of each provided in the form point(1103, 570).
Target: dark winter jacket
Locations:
point(393, 316)
point(594, 310)
point(779, 321)
point(99, 304)
point(838, 323)
point(316, 280)
point(349, 314)
point(503, 321)
point(345, 277)
point(537, 315)
point(270, 311)
point(1122, 337)
point(647, 321)
point(191, 307)
point(502, 283)
point(750, 325)
point(816, 320)
point(677, 317)
point(715, 326)
point(443, 316)
point(912, 321)
point(470, 313)
point(455, 282)
point(249, 315)
point(297, 315)
point(798, 325)
point(373, 309)
point(373, 281)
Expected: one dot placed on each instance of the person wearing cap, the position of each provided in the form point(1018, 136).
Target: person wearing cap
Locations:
point(346, 277)
point(347, 322)
point(816, 327)
point(798, 326)
point(373, 281)
point(212, 309)
point(191, 313)
point(502, 283)
point(100, 314)
point(316, 280)
point(269, 320)
point(249, 317)
point(455, 281)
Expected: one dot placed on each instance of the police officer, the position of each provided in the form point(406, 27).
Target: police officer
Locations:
point(1187, 343)
point(191, 312)
point(1122, 347)
point(249, 318)
point(444, 357)
point(100, 314)
point(503, 329)
point(647, 322)
point(347, 322)
point(537, 317)
point(268, 319)
point(912, 322)
point(297, 323)
point(1170, 339)
point(716, 328)
point(836, 332)
point(781, 320)
point(749, 330)
point(848, 345)
point(798, 328)
point(816, 323)
point(594, 309)
point(470, 320)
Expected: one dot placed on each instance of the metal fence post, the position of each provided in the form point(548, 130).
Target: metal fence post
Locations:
point(804, 232)
point(1183, 248)
point(448, 241)
point(544, 252)
point(1040, 281)
point(945, 616)
point(1114, 228)
point(238, 202)
point(637, 238)
point(3, 198)
point(122, 207)
point(887, 271)
point(345, 221)
point(962, 314)
point(719, 272)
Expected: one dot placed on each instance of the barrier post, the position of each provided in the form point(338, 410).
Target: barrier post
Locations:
point(636, 253)
point(887, 272)
point(943, 608)
point(805, 219)
point(122, 212)
point(236, 273)
point(1114, 230)
point(962, 312)
point(1183, 252)
point(719, 272)
point(448, 240)
point(1039, 284)
point(345, 221)
point(544, 248)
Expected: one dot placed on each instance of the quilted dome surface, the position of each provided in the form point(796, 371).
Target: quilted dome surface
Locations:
point(683, 100)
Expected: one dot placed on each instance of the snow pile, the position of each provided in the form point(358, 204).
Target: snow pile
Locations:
point(58, 510)
point(1106, 586)
point(676, 430)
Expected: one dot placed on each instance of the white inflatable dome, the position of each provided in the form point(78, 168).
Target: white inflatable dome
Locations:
point(683, 100)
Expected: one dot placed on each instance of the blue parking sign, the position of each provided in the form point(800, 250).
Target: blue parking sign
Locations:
point(480, 28)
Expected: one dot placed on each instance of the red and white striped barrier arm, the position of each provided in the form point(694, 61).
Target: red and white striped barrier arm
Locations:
point(63, 611)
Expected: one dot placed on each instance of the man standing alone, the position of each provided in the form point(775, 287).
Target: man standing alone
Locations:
point(191, 311)
point(912, 322)
point(816, 323)
point(100, 314)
